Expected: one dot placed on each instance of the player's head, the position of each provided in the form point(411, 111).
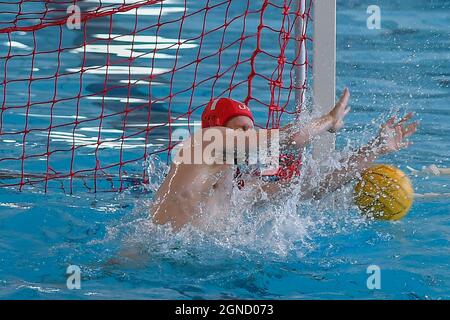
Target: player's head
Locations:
point(225, 112)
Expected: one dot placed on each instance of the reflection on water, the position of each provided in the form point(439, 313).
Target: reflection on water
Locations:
point(97, 83)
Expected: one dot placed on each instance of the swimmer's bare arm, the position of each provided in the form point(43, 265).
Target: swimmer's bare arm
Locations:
point(293, 136)
point(392, 137)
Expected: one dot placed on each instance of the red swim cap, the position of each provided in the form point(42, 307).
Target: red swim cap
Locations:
point(219, 111)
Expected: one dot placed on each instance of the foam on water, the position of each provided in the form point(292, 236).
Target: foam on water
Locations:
point(281, 229)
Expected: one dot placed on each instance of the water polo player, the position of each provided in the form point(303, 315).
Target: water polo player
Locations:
point(194, 192)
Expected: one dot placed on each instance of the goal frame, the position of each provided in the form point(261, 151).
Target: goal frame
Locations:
point(324, 67)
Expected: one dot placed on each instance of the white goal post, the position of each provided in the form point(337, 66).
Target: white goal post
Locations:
point(324, 66)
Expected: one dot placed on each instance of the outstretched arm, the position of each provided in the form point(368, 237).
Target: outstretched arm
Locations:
point(392, 137)
point(297, 138)
point(332, 122)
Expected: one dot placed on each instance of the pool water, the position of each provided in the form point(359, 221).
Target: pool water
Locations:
point(285, 251)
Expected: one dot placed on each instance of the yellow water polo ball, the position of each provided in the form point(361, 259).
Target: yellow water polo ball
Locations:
point(384, 192)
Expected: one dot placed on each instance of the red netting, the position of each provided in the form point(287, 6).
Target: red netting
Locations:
point(88, 106)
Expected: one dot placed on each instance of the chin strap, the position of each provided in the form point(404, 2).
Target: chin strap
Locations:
point(289, 167)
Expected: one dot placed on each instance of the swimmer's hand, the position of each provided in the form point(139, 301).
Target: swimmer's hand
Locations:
point(339, 112)
point(332, 122)
point(393, 135)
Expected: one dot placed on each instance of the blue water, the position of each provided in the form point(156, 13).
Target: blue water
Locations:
point(320, 250)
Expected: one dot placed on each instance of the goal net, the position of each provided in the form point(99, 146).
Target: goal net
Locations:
point(89, 90)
